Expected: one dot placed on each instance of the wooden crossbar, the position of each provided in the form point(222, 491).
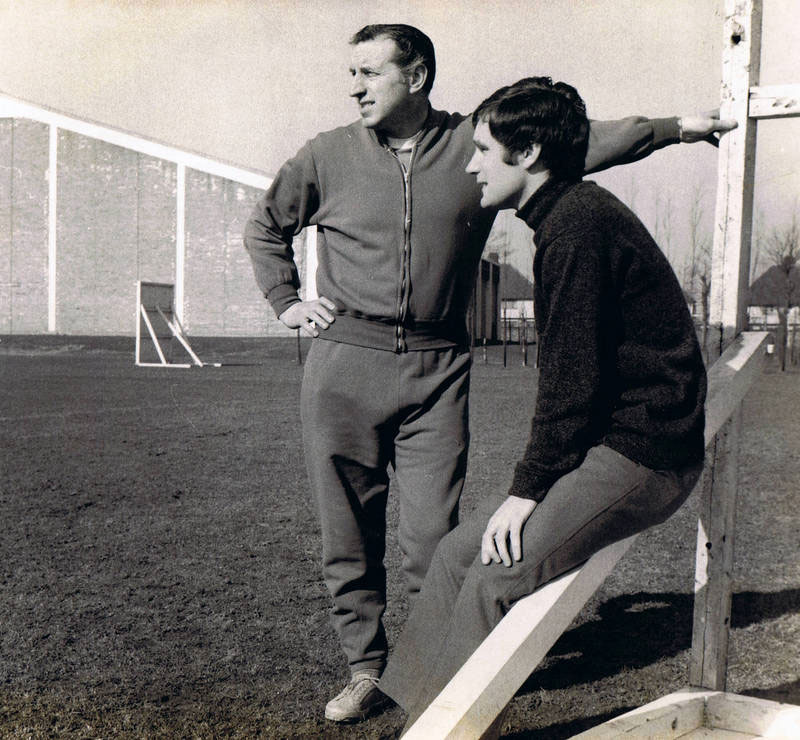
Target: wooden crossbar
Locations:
point(712, 713)
point(474, 697)
point(774, 101)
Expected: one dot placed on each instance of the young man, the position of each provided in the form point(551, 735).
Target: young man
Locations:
point(401, 229)
point(616, 441)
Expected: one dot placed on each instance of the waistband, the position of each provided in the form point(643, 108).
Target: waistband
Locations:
point(384, 335)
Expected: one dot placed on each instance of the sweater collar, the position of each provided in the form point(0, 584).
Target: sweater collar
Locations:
point(534, 210)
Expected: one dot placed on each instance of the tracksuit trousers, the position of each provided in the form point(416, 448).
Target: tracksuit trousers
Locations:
point(362, 411)
point(606, 499)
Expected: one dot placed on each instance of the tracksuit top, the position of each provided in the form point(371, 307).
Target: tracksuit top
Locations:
point(619, 360)
point(398, 248)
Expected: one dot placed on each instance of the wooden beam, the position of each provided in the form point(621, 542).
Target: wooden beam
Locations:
point(468, 705)
point(730, 378)
point(670, 716)
point(714, 713)
point(755, 717)
point(775, 101)
point(730, 269)
point(730, 273)
point(714, 561)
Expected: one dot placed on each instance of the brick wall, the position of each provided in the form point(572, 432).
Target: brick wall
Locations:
point(116, 224)
point(23, 226)
point(221, 295)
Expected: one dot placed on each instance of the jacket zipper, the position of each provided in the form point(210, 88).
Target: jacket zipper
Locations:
point(405, 275)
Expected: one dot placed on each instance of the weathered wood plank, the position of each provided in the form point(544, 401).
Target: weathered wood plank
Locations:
point(775, 101)
point(731, 377)
point(670, 716)
point(730, 271)
point(729, 380)
point(701, 713)
point(489, 679)
point(759, 717)
point(714, 560)
point(730, 268)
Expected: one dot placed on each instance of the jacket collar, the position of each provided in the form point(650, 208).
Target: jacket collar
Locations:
point(433, 121)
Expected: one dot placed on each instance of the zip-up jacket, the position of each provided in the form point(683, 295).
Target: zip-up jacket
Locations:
point(398, 248)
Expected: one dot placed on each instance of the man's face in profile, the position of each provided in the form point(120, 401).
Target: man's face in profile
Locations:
point(379, 85)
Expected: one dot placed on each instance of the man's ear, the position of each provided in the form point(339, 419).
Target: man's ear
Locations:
point(417, 78)
point(530, 156)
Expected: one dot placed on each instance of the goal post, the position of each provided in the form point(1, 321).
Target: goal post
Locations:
point(157, 326)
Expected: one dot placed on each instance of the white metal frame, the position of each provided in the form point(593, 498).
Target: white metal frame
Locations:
point(173, 324)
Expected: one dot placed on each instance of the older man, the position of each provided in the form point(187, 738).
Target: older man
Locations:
point(401, 232)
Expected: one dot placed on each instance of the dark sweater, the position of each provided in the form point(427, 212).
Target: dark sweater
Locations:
point(619, 360)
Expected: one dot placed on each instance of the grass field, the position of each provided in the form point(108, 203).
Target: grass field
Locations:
point(159, 564)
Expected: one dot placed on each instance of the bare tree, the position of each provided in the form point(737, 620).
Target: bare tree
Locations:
point(697, 269)
point(703, 262)
point(783, 248)
point(756, 246)
point(631, 191)
point(662, 232)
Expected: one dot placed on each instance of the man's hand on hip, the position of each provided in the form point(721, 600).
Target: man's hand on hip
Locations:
point(310, 316)
point(504, 528)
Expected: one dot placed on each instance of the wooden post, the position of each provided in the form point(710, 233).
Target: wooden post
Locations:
point(714, 560)
point(730, 268)
point(730, 272)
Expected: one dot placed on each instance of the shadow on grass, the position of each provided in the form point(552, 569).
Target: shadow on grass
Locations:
point(563, 730)
point(785, 693)
point(635, 630)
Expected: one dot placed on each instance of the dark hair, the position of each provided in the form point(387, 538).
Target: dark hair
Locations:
point(413, 46)
point(535, 110)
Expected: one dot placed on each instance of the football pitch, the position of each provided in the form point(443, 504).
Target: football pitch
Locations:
point(159, 554)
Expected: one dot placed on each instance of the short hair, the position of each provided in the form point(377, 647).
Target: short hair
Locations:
point(535, 110)
point(413, 47)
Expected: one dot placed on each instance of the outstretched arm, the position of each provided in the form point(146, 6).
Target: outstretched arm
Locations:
point(705, 127)
point(629, 139)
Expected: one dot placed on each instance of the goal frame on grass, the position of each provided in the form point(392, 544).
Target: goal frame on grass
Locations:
point(156, 319)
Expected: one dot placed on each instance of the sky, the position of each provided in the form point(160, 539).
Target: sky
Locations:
point(249, 81)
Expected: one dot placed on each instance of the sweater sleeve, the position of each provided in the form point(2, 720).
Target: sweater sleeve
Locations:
point(570, 395)
point(282, 212)
point(627, 140)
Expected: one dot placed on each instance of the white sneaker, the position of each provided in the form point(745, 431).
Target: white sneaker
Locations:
point(358, 699)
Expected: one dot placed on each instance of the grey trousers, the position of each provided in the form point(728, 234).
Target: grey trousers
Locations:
point(362, 411)
point(606, 499)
